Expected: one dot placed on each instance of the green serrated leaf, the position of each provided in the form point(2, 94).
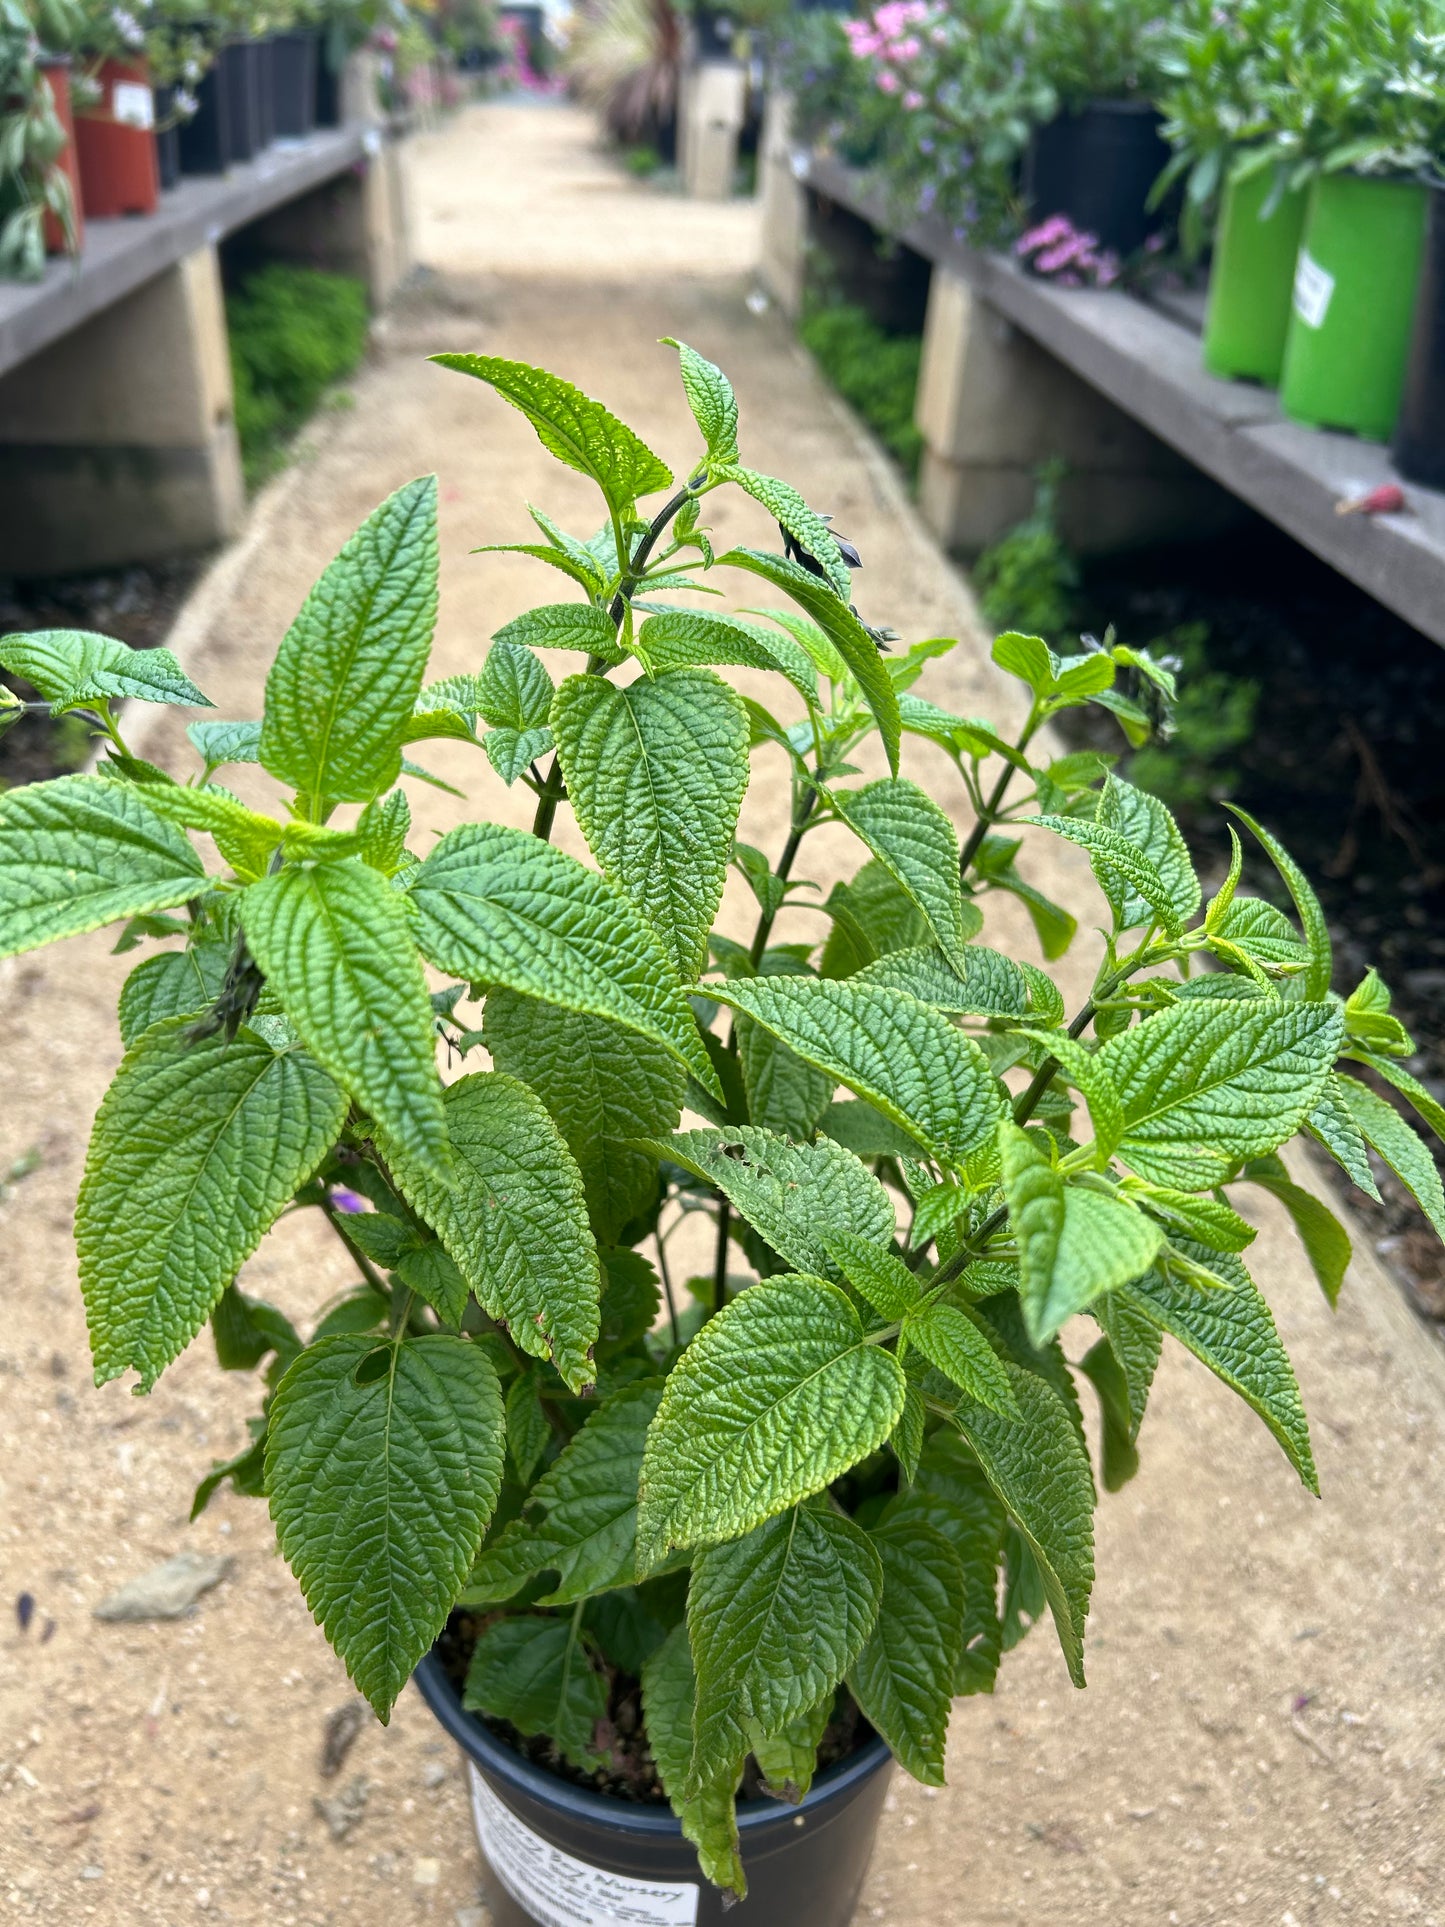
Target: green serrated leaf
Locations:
point(83, 851)
point(784, 1094)
point(955, 1346)
point(1030, 659)
point(903, 1678)
point(1143, 820)
point(336, 946)
point(580, 432)
point(564, 625)
point(687, 638)
point(511, 752)
point(218, 744)
point(1124, 873)
point(880, 1278)
point(1136, 1344)
point(346, 678)
point(538, 1674)
point(1315, 982)
point(513, 1217)
point(179, 983)
point(1331, 1123)
point(656, 774)
point(710, 1819)
point(910, 835)
point(712, 401)
point(196, 1150)
point(950, 1492)
point(775, 1620)
point(514, 691)
point(899, 1054)
point(70, 666)
point(776, 1397)
point(1386, 1132)
point(1326, 1242)
point(501, 907)
point(791, 512)
point(788, 1760)
point(1205, 1086)
point(992, 986)
point(1120, 1454)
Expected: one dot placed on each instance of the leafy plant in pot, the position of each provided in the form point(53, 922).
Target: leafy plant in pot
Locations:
point(655, 1549)
point(39, 183)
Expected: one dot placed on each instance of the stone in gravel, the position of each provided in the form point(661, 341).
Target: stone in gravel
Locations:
point(166, 1591)
point(433, 1774)
point(426, 1873)
point(342, 1813)
point(472, 1917)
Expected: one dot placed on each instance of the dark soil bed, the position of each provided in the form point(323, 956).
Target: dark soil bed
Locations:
point(1345, 762)
point(633, 1775)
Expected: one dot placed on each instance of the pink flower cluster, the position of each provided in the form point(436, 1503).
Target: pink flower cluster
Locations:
point(888, 36)
point(1056, 247)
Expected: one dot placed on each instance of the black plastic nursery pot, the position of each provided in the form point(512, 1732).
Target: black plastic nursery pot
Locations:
point(293, 79)
point(265, 91)
point(168, 139)
point(1098, 167)
point(204, 140)
point(328, 89)
point(239, 68)
point(557, 1855)
point(1419, 444)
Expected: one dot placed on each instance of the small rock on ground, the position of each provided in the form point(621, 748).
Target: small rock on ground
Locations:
point(342, 1813)
point(167, 1591)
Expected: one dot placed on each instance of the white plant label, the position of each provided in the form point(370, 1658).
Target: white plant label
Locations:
point(1313, 291)
point(562, 1892)
point(132, 104)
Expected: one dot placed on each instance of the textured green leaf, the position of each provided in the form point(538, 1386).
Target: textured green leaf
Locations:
point(71, 666)
point(1205, 1086)
point(511, 752)
point(864, 1131)
point(656, 774)
point(1233, 1333)
point(1332, 1124)
point(900, 1054)
point(791, 512)
point(1124, 873)
point(538, 1673)
point(383, 1463)
point(903, 1678)
point(1030, 659)
point(993, 985)
point(789, 1193)
point(1368, 1021)
point(883, 1280)
point(336, 947)
point(686, 638)
point(1143, 820)
point(429, 1272)
point(1413, 1091)
point(775, 1620)
point(1136, 1344)
point(580, 432)
point(512, 1215)
point(1205, 1219)
point(83, 851)
point(514, 691)
point(603, 1085)
point(950, 1492)
point(788, 1760)
point(1040, 1471)
point(910, 835)
point(774, 1399)
point(580, 1517)
point(197, 1149)
point(1315, 983)
point(1326, 1242)
point(1092, 1078)
point(218, 744)
point(1261, 932)
point(631, 1297)
point(955, 1346)
point(842, 628)
point(346, 678)
point(710, 1819)
point(1386, 1132)
point(563, 625)
point(245, 838)
point(712, 401)
point(873, 916)
point(178, 983)
point(785, 1094)
point(501, 907)
point(1101, 1367)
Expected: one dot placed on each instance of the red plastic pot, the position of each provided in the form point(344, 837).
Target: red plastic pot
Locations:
point(116, 144)
point(56, 69)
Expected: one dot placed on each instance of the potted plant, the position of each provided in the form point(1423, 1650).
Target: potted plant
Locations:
point(40, 209)
point(668, 1555)
point(181, 51)
point(115, 138)
point(1232, 83)
point(1374, 103)
point(294, 51)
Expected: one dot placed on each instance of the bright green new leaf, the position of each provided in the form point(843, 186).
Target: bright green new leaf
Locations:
point(774, 1399)
point(910, 835)
point(70, 666)
point(1125, 874)
point(197, 1149)
point(842, 628)
point(1030, 659)
point(383, 1463)
point(603, 1084)
point(686, 638)
point(775, 1620)
point(501, 907)
point(1205, 1086)
point(513, 1217)
point(514, 691)
point(992, 986)
point(336, 947)
point(880, 1278)
point(1332, 1124)
point(1368, 1021)
point(1386, 1132)
point(1040, 1471)
point(903, 1678)
point(563, 625)
point(1265, 935)
point(580, 1518)
point(712, 401)
point(710, 1819)
point(538, 1674)
point(83, 851)
point(1083, 1069)
point(178, 983)
point(656, 774)
point(789, 1193)
point(955, 1346)
point(511, 752)
point(1233, 1333)
point(903, 1056)
point(1326, 1242)
point(580, 432)
point(1143, 821)
point(346, 678)
point(790, 511)
point(1315, 983)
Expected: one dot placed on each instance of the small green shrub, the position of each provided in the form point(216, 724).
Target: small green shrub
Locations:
point(293, 332)
point(1029, 580)
point(875, 373)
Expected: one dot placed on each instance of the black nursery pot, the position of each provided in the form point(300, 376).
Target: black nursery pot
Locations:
point(239, 68)
point(1419, 444)
point(556, 1855)
point(293, 79)
point(204, 141)
point(328, 91)
point(265, 92)
point(168, 139)
point(1098, 167)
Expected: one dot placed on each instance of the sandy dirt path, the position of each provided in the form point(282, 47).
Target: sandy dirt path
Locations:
point(1262, 1740)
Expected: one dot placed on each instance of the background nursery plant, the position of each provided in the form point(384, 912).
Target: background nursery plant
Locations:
point(667, 1546)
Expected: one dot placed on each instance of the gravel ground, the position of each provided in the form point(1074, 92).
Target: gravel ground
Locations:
point(1262, 1740)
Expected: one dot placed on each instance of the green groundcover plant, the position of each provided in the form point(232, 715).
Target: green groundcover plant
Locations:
point(861, 1465)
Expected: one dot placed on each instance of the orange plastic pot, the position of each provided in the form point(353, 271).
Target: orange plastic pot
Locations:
point(116, 144)
point(57, 78)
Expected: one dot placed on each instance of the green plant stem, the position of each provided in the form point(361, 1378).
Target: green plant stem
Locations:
point(782, 871)
point(666, 1276)
point(638, 560)
point(720, 1261)
point(358, 1257)
point(989, 814)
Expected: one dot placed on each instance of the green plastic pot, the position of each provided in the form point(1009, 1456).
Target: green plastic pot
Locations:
point(1252, 282)
point(1354, 302)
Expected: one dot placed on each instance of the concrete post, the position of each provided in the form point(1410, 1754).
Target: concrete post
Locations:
point(712, 106)
point(992, 405)
point(785, 208)
point(118, 443)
